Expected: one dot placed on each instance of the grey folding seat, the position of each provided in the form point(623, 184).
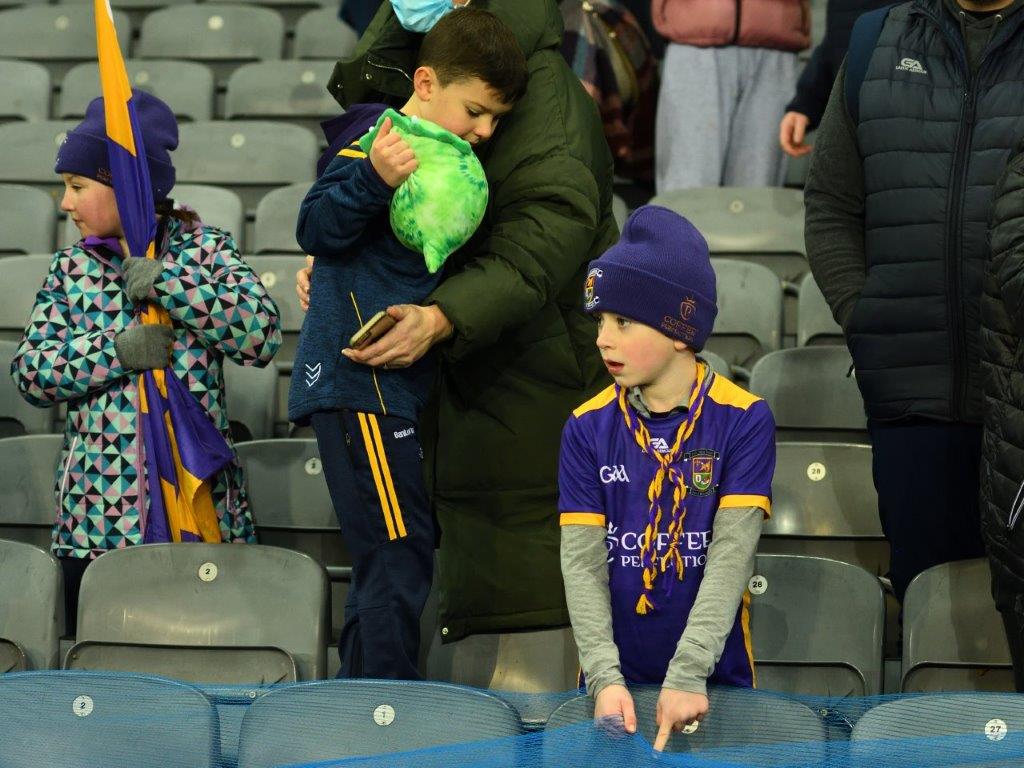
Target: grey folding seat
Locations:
point(335, 719)
point(812, 393)
point(30, 150)
point(24, 91)
point(249, 157)
point(619, 210)
point(288, 91)
point(717, 363)
point(17, 415)
point(186, 86)
point(814, 321)
point(749, 322)
point(277, 274)
point(737, 718)
point(824, 504)
point(953, 637)
point(320, 34)
point(290, 10)
point(251, 400)
point(31, 608)
point(69, 720)
point(27, 220)
point(56, 36)
point(220, 35)
point(817, 626)
point(948, 729)
point(204, 612)
point(28, 503)
point(23, 278)
point(276, 218)
point(530, 662)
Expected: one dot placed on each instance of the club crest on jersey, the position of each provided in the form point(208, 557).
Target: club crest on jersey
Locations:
point(590, 299)
point(702, 470)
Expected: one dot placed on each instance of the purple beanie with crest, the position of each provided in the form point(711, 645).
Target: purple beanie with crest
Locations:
point(84, 151)
point(659, 274)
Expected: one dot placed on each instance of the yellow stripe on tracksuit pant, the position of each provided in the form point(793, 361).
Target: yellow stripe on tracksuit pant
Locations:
point(373, 465)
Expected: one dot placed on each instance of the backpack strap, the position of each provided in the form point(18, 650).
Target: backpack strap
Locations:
point(863, 39)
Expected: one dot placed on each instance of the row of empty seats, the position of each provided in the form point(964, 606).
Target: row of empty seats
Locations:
point(259, 614)
point(146, 721)
point(223, 35)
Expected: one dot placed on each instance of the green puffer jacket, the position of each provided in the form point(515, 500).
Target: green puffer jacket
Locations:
point(523, 353)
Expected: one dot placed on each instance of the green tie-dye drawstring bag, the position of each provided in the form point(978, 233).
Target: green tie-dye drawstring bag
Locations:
point(439, 207)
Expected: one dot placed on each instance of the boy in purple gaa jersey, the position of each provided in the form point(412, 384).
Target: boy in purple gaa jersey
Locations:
point(664, 480)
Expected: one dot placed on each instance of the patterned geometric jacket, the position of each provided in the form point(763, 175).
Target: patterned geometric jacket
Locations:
point(219, 309)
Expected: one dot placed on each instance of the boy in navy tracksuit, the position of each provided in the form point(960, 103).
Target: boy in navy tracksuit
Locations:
point(470, 72)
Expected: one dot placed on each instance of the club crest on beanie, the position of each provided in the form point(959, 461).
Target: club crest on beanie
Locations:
point(658, 273)
point(84, 151)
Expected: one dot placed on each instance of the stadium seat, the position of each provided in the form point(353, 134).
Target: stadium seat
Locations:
point(70, 720)
point(336, 719)
point(538, 661)
point(292, 91)
point(27, 220)
point(814, 321)
point(812, 393)
point(953, 637)
point(28, 504)
point(204, 613)
point(250, 393)
point(619, 210)
point(290, 10)
point(749, 321)
point(250, 157)
point(17, 415)
point(737, 718)
point(137, 10)
point(221, 35)
point(24, 91)
point(984, 720)
point(31, 608)
point(320, 34)
point(717, 363)
point(57, 36)
point(817, 626)
point(290, 501)
point(742, 219)
point(186, 86)
point(278, 276)
point(276, 218)
point(23, 277)
point(824, 504)
point(30, 150)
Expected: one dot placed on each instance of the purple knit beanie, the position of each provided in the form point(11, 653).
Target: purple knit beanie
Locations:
point(659, 274)
point(84, 151)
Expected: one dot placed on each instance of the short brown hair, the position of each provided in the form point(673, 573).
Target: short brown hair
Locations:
point(473, 42)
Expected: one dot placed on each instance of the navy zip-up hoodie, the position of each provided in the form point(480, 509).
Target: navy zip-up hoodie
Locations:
point(360, 269)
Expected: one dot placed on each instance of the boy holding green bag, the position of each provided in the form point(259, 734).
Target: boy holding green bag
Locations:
point(402, 191)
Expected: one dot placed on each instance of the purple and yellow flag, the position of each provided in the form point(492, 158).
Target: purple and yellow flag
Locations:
point(183, 449)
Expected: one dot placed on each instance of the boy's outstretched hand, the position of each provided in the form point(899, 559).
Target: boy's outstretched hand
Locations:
point(616, 701)
point(676, 710)
point(392, 159)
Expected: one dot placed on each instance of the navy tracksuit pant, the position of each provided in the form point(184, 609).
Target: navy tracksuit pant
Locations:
point(373, 466)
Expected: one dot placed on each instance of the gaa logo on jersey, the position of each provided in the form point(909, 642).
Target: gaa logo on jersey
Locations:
point(590, 300)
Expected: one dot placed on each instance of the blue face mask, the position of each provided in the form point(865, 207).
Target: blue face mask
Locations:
point(420, 15)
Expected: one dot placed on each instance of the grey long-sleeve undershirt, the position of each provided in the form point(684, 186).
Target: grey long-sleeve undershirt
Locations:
point(734, 537)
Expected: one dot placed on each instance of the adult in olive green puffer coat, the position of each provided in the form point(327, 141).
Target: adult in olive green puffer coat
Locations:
point(522, 354)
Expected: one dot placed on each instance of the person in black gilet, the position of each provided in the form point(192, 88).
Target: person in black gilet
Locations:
point(921, 122)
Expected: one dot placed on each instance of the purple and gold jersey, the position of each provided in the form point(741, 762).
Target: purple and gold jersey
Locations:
point(727, 461)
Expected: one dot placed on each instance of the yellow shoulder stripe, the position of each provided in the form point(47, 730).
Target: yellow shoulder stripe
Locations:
point(725, 392)
point(347, 152)
point(596, 402)
point(582, 518)
point(740, 501)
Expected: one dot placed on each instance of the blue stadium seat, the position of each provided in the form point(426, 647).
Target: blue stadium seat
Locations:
point(70, 720)
point(344, 718)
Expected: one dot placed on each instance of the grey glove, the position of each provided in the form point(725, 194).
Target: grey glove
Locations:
point(144, 347)
point(139, 276)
